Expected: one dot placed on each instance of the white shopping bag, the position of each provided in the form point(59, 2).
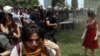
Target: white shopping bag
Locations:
point(84, 34)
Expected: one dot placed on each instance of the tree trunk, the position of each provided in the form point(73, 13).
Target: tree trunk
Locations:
point(54, 2)
point(74, 4)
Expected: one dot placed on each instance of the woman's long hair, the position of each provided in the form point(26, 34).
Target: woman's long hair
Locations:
point(28, 30)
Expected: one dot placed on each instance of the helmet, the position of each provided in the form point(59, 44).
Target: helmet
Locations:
point(7, 9)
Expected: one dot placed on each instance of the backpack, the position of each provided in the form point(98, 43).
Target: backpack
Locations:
point(1, 48)
point(5, 34)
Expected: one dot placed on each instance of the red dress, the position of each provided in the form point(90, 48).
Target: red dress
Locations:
point(89, 41)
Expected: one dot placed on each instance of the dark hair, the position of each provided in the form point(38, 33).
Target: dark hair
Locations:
point(28, 30)
point(91, 14)
point(3, 18)
point(1, 7)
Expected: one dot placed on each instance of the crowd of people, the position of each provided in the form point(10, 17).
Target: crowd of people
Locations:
point(31, 31)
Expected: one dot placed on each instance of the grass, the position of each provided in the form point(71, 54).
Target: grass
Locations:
point(70, 42)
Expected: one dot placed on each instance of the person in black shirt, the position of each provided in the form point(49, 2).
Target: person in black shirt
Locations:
point(50, 25)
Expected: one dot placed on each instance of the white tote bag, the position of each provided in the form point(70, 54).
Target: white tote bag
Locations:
point(84, 33)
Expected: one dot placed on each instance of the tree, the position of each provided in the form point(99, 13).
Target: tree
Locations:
point(74, 4)
point(61, 1)
point(24, 3)
point(54, 2)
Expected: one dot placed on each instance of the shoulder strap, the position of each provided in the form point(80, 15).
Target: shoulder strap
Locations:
point(18, 49)
point(3, 33)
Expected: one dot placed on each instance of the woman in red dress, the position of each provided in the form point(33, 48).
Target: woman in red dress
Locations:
point(91, 40)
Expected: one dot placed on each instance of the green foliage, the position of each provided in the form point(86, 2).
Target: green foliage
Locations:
point(58, 3)
point(29, 3)
point(61, 1)
point(24, 3)
point(54, 2)
point(74, 4)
